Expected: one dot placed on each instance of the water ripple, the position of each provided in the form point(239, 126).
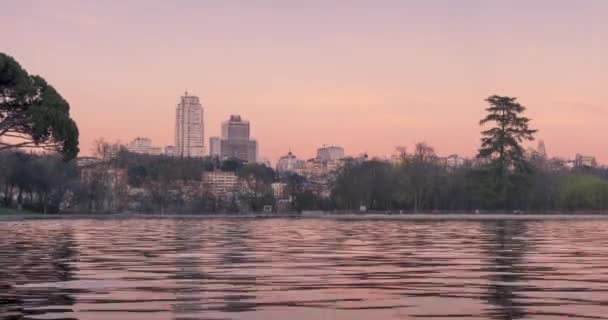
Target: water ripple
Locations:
point(303, 269)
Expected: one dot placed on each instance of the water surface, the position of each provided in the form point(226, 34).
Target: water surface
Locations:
point(303, 269)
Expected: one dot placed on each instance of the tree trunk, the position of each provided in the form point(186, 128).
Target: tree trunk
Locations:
point(20, 199)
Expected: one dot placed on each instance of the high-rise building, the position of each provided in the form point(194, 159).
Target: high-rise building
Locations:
point(235, 142)
point(330, 153)
point(215, 146)
point(143, 146)
point(235, 128)
point(189, 127)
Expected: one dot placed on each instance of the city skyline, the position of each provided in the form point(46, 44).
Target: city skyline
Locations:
point(377, 77)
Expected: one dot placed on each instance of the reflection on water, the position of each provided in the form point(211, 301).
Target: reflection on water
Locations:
point(303, 269)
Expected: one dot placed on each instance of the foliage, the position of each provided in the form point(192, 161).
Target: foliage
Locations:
point(257, 179)
point(33, 113)
point(507, 170)
point(39, 183)
point(583, 192)
point(369, 183)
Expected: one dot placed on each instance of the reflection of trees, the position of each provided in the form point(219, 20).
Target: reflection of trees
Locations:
point(505, 250)
point(32, 264)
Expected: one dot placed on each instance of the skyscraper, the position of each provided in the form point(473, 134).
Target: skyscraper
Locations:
point(235, 128)
point(235, 142)
point(189, 128)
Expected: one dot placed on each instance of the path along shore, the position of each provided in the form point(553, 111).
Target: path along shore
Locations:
point(311, 215)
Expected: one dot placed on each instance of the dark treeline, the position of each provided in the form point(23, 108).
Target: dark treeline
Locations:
point(421, 182)
point(418, 181)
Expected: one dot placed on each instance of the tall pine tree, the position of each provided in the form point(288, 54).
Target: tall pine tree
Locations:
point(501, 147)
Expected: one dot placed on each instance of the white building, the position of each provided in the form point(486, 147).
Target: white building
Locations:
point(189, 127)
point(330, 153)
point(143, 146)
point(220, 183)
point(170, 151)
point(582, 161)
point(279, 190)
point(289, 163)
point(454, 161)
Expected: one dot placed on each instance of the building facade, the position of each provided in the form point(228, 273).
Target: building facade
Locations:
point(583, 161)
point(330, 153)
point(289, 163)
point(143, 145)
point(170, 151)
point(215, 146)
point(235, 128)
point(454, 161)
point(236, 141)
point(189, 127)
point(220, 183)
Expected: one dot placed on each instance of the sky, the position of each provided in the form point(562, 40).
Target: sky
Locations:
point(365, 75)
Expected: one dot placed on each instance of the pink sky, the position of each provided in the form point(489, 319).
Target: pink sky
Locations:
point(365, 75)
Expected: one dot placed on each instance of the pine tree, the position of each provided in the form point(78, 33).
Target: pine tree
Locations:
point(501, 145)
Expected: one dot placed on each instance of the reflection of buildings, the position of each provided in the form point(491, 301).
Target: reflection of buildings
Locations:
point(189, 275)
point(236, 255)
point(189, 127)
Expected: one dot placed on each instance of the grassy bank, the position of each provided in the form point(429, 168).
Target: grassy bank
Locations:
point(8, 211)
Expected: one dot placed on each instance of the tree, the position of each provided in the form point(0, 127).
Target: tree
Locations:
point(258, 179)
point(368, 183)
point(501, 145)
point(423, 170)
point(32, 113)
point(583, 192)
point(295, 188)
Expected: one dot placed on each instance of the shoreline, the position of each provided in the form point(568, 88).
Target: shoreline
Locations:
point(328, 216)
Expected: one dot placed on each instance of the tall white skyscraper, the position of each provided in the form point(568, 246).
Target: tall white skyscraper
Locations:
point(189, 128)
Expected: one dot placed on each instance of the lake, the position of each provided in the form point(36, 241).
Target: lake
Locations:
point(149, 269)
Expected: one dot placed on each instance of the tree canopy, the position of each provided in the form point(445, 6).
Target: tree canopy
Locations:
point(32, 113)
point(501, 146)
